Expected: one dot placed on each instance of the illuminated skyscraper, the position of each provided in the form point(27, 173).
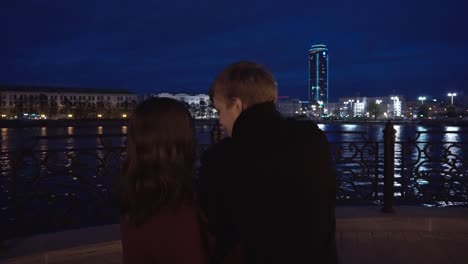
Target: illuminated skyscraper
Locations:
point(318, 74)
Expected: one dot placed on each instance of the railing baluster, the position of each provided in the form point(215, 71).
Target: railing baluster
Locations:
point(404, 183)
point(376, 171)
point(389, 167)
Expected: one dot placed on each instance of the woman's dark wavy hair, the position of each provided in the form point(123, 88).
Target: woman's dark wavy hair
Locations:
point(157, 170)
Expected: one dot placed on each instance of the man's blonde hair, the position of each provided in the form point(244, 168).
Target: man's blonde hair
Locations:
point(251, 82)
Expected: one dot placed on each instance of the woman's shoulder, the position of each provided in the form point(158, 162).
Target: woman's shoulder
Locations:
point(166, 217)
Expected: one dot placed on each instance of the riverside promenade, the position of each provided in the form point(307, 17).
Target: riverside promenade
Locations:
point(364, 234)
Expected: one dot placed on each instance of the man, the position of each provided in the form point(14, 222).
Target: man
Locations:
point(268, 189)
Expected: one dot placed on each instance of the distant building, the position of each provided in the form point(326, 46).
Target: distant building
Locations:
point(392, 106)
point(318, 75)
point(62, 102)
point(412, 109)
point(199, 105)
point(435, 108)
point(333, 109)
point(186, 98)
point(290, 107)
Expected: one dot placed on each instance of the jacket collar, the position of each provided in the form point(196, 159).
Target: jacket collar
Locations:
point(254, 119)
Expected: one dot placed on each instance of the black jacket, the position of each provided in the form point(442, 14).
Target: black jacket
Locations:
point(271, 189)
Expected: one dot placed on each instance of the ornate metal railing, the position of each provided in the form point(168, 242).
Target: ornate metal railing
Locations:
point(50, 189)
point(46, 189)
point(356, 167)
point(432, 170)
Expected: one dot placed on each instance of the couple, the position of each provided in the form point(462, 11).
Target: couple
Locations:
point(266, 192)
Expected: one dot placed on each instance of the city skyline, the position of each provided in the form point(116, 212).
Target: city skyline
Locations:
point(413, 48)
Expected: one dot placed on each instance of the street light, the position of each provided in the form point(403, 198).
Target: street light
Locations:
point(451, 96)
point(422, 98)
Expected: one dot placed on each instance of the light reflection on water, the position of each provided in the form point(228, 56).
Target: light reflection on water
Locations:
point(70, 142)
point(5, 158)
point(397, 132)
point(44, 144)
point(350, 127)
point(4, 140)
point(124, 139)
point(452, 137)
point(454, 148)
point(43, 131)
point(398, 149)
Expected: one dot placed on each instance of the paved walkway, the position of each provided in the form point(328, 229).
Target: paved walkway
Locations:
point(364, 235)
point(412, 235)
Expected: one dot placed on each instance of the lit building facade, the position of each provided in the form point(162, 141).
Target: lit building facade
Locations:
point(318, 75)
point(392, 106)
point(290, 107)
point(186, 98)
point(333, 109)
point(60, 102)
point(199, 105)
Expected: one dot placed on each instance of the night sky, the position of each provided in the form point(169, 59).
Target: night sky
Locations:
point(376, 47)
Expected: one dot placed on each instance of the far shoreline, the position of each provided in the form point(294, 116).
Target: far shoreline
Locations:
point(17, 123)
point(423, 122)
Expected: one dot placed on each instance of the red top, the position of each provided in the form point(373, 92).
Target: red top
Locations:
point(168, 237)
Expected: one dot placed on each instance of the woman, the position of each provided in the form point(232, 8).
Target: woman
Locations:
point(159, 217)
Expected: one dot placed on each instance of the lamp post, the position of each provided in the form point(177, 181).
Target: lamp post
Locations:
point(451, 96)
point(422, 98)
